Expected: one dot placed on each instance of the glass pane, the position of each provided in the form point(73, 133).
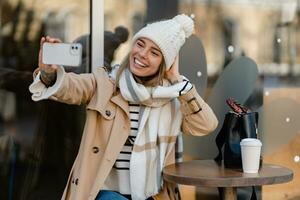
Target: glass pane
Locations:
point(267, 33)
point(38, 140)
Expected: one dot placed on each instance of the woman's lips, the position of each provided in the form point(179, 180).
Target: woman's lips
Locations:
point(139, 63)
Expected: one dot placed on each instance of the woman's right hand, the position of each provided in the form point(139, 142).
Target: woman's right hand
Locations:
point(48, 72)
point(44, 67)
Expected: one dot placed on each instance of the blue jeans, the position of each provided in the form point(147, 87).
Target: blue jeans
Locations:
point(109, 195)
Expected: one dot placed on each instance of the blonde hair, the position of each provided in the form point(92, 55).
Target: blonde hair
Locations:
point(155, 80)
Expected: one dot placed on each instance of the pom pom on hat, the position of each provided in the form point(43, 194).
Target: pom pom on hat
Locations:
point(168, 35)
point(186, 23)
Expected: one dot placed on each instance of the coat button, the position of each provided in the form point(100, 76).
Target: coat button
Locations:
point(76, 181)
point(95, 149)
point(108, 113)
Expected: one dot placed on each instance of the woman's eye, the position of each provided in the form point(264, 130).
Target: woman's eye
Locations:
point(154, 53)
point(139, 44)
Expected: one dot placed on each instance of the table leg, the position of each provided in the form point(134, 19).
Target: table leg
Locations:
point(229, 193)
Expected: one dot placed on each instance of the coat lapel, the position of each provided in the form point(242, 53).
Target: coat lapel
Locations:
point(99, 103)
point(121, 102)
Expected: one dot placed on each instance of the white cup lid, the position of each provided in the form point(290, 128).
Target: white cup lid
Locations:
point(250, 142)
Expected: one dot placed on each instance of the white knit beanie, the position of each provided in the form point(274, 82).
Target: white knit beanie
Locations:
point(168, 35)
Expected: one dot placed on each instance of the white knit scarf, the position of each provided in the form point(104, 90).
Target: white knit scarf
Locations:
point(159, 126)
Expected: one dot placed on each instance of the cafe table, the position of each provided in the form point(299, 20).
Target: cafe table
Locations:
point(207, 173)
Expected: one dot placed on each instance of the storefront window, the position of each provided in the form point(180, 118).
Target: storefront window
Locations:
point(247, 50)
point(38, 140)
point(266, 33)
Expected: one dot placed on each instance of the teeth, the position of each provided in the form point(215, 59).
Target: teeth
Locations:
point(139, 63)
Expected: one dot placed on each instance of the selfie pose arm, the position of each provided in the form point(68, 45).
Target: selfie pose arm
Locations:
point(52, 82)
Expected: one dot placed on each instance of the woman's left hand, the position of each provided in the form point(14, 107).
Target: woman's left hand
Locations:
point(173, 74)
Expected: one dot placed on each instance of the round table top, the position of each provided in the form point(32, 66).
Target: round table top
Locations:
point(207, 173)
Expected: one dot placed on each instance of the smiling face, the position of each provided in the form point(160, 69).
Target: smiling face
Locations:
point(145, 58)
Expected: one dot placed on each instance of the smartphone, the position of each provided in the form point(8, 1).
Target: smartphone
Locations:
point(66, 54)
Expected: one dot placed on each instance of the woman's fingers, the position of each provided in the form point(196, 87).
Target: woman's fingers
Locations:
point(56, 40)
point(43, 39)
point(176, 63)
point(173, 73)
point(53, 40)
point(174, 69)
point(47, 68)
point(49, 40)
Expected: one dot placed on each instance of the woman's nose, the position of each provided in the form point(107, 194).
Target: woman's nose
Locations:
point(143, 53)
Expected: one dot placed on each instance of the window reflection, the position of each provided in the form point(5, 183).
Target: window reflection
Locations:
point(38, 141)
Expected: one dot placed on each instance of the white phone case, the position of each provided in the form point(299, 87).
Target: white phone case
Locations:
point(66, 54)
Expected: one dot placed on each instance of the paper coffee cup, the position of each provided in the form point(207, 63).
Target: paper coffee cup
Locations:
point(250, 149)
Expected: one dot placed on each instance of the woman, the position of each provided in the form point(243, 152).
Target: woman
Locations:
point(133, 119)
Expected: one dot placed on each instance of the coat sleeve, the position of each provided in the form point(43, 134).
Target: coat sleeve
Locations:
point(198, 117)
point(69, 88)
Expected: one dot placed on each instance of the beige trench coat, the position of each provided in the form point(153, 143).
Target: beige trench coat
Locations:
point(107, 128)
